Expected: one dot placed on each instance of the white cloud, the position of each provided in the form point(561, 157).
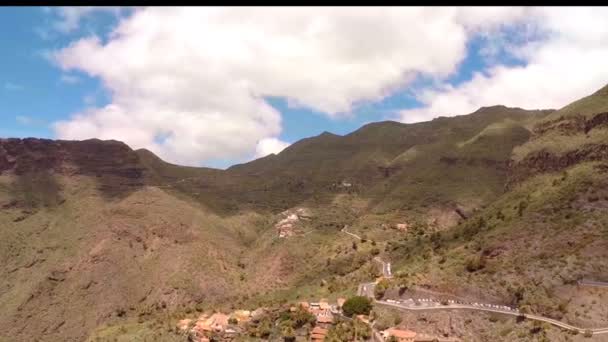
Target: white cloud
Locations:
point(69, 18)
point(197, 76)
point(267, 146)
point(567, 63)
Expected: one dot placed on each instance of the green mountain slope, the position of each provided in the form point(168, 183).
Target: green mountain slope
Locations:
point(504, 204)
point(531, 245)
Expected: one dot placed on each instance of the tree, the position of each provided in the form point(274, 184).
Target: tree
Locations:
point(288, 334)
point(213, 336)
point(361, 330)
point(381, 288)
point(340, 332)
point(357, 305)
point(302, 317)
point(354, 330)
point(403, 282)
point(517, 294)
point(387, 320)
point(372, 270)
point(264, 328)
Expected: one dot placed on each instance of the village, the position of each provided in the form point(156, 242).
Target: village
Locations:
point(287, 226)
point(318, 317)
point(323, 316)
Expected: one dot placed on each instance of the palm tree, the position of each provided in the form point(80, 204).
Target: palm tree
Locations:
point(288, 334)
point(361, 329)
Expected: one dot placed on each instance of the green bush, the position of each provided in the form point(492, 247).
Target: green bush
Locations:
point(381, 288)
point(357, 305)
point(302, 317)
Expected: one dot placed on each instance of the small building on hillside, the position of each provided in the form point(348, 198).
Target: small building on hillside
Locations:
point(184, 324)
point(399, 334)
point(321, 310)
point(230, 333)
point(324, 317)
point(318, 334)
point(242, 315)
point(304, 305)
point(431, 338)
point(402, 226)
point(217, 322)
point(324, 305)
point(304, 213)
point(258, 313)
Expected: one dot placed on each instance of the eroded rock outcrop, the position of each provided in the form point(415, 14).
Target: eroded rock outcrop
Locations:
point(544, 160)
point(113, 164)
point(91, 157)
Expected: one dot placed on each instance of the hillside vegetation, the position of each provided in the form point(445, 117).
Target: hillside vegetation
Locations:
point(503, 204)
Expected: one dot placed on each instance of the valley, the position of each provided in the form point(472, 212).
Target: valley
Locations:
point(498, 215)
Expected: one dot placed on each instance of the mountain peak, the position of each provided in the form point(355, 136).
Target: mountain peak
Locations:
point(602, 92)
point(491, 108)
point(327, 134)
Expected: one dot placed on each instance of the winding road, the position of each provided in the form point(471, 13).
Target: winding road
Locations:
point(367, 289)
point(592, 283)
point(343, 230)
point(386, 266)
point(410, 305)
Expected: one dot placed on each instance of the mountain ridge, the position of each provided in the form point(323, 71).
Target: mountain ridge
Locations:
point(95, 224)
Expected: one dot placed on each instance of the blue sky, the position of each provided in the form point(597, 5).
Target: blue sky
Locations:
point(36, 92)
point(33, 87)
point(33, 93)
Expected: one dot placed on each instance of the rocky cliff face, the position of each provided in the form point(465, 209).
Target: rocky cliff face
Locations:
point(544, 161)
point(115, 166)
point(564, 142)
point(89, 157)
point(572, 125)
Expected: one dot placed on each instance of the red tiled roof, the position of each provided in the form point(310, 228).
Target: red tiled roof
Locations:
point(319, 330)
point(325, 319)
